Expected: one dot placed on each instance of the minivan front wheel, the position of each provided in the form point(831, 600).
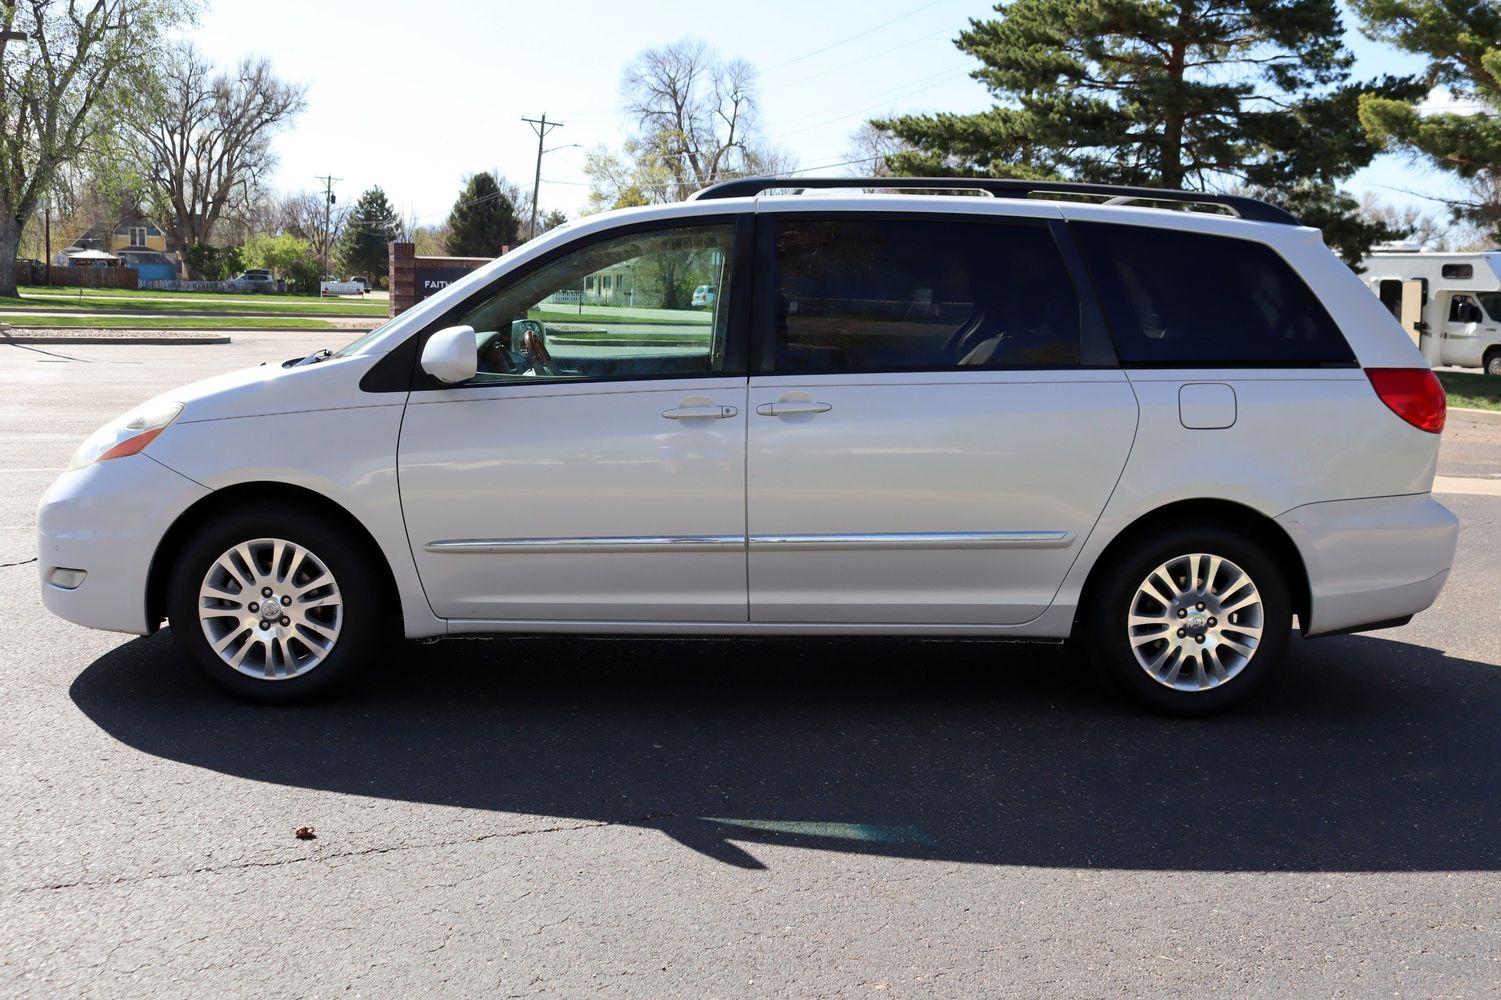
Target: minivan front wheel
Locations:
point(275, 605)
point(1190, 623)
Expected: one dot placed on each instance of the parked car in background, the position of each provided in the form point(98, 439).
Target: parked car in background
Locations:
point(1162, 434)
point(703, 296)
point(361, 281)
point(258, 279)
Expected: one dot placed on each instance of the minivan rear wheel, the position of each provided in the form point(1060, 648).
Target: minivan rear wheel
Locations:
point(276, 605)
point(1189, 622)
point(1493, 363)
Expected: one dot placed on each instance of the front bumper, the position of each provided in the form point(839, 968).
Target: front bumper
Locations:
point(1372, 561)
point(107, 519)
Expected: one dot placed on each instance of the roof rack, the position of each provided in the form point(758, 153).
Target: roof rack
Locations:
point(1239, 206)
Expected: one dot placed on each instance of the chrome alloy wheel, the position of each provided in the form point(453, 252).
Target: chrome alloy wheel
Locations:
point(1195, 622)
point(270, 609)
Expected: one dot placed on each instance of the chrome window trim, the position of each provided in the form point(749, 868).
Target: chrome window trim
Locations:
point(800, 542)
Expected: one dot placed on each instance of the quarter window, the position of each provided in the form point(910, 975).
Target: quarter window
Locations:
point(568, 321)
point(877, 295)
point(1179, 298)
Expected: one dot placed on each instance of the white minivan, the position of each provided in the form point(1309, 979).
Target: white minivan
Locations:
point(975, 412)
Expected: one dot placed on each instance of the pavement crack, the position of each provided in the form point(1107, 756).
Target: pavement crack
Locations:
point(23, 562)
point(336, 855)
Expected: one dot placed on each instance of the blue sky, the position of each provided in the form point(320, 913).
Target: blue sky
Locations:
point(412, 96)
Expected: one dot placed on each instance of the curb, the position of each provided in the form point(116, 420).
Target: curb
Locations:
point(9, 337)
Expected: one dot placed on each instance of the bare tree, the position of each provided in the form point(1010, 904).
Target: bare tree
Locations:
point(207, 138)
point(56, 90)
point(694, 117)
point(302, 215)
point(869, 149)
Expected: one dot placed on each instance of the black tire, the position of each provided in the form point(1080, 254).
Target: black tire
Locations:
point(1493, 364)
point(366, 615)
point(1107, 634)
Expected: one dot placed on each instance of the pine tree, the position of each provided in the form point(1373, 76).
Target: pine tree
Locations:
point(1197, 94)
point(483, 220)
point(1462, 40)
point(369, 227)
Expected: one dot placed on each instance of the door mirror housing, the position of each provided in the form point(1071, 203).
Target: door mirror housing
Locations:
point(450, 355)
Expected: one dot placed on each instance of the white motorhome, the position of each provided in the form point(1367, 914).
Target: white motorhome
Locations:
point(1449, 303)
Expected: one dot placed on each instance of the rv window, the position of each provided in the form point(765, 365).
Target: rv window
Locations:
point(1491, 303)
point(1458, 271)
point(1245, 306)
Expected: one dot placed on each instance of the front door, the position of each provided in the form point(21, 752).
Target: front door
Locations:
point(927, 448)
point(594, 469)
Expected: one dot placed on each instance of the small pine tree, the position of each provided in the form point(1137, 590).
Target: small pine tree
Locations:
point(369, 227)
point(483, 220)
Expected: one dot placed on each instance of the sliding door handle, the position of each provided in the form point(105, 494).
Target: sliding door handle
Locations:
point(793, 407)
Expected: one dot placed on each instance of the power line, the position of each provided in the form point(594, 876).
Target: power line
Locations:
point(860, 34)
point(541, 126)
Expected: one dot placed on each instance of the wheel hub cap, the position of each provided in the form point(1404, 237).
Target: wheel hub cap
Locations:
point(270, 609)
point(1195, 622)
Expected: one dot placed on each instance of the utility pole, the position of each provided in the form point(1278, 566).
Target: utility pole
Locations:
point(328, 205)
point(541, 126)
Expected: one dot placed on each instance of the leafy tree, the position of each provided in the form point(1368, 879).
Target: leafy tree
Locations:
point(214, 263)
point(61, 88)
point(1200, 94)
point(1462, 40)
point(483, 220)
point(371, 224)
point(278, 253)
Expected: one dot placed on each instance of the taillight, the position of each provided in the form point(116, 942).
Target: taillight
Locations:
point(1414, 394)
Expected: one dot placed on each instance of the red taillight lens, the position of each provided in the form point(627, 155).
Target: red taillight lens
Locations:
point(1414, 394)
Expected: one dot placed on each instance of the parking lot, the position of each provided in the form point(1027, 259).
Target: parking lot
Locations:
point(732, 818)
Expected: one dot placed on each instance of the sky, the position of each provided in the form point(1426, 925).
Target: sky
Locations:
point(414, 96)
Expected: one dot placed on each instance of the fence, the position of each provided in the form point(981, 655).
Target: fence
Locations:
point(223, 287)
point(76, 277)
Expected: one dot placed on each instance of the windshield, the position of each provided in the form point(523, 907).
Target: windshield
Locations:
point(356, 346)
point(1491, 303)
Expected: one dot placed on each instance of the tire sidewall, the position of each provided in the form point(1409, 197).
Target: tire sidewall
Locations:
point(1493, 365)
point(1107, 634)
point(365, 612)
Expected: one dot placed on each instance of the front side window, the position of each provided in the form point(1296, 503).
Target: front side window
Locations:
point(1181, 298)
point(879, 295)
point(1491, 303)
point(618, 308)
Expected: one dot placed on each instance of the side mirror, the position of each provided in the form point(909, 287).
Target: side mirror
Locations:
point(450, 355)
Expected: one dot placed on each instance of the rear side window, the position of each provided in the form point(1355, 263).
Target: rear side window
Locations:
point(1176, 299)
point(887, 295)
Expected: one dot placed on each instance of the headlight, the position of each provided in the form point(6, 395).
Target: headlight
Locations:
point(126, 435)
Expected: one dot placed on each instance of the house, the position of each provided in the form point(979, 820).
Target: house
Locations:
point(135, 240)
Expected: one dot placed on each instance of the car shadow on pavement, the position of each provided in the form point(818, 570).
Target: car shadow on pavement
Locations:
point(1363, 754)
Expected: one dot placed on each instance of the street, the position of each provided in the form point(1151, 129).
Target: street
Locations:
point(747, 818)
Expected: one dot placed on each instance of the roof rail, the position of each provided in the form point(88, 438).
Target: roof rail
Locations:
point(1242, 207)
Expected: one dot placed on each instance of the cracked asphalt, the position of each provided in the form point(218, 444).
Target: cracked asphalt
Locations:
point(809, 818)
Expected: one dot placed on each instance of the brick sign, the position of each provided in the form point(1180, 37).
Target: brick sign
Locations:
point(415, 278)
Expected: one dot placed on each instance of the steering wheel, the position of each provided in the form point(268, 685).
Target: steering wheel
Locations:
point(534, 346)
point(495, 356)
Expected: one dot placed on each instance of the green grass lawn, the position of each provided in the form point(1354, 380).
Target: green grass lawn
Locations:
point(1479, 392)
point(173, 322)
point(130, 300)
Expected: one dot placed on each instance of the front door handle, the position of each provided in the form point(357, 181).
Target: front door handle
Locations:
point(793, 407)
point(700, 411)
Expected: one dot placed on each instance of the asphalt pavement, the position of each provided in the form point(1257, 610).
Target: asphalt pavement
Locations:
point(748, 818)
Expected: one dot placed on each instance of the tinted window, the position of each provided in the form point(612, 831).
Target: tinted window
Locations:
point(1458, 271)
point(1179, 298)
point(874, 295)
